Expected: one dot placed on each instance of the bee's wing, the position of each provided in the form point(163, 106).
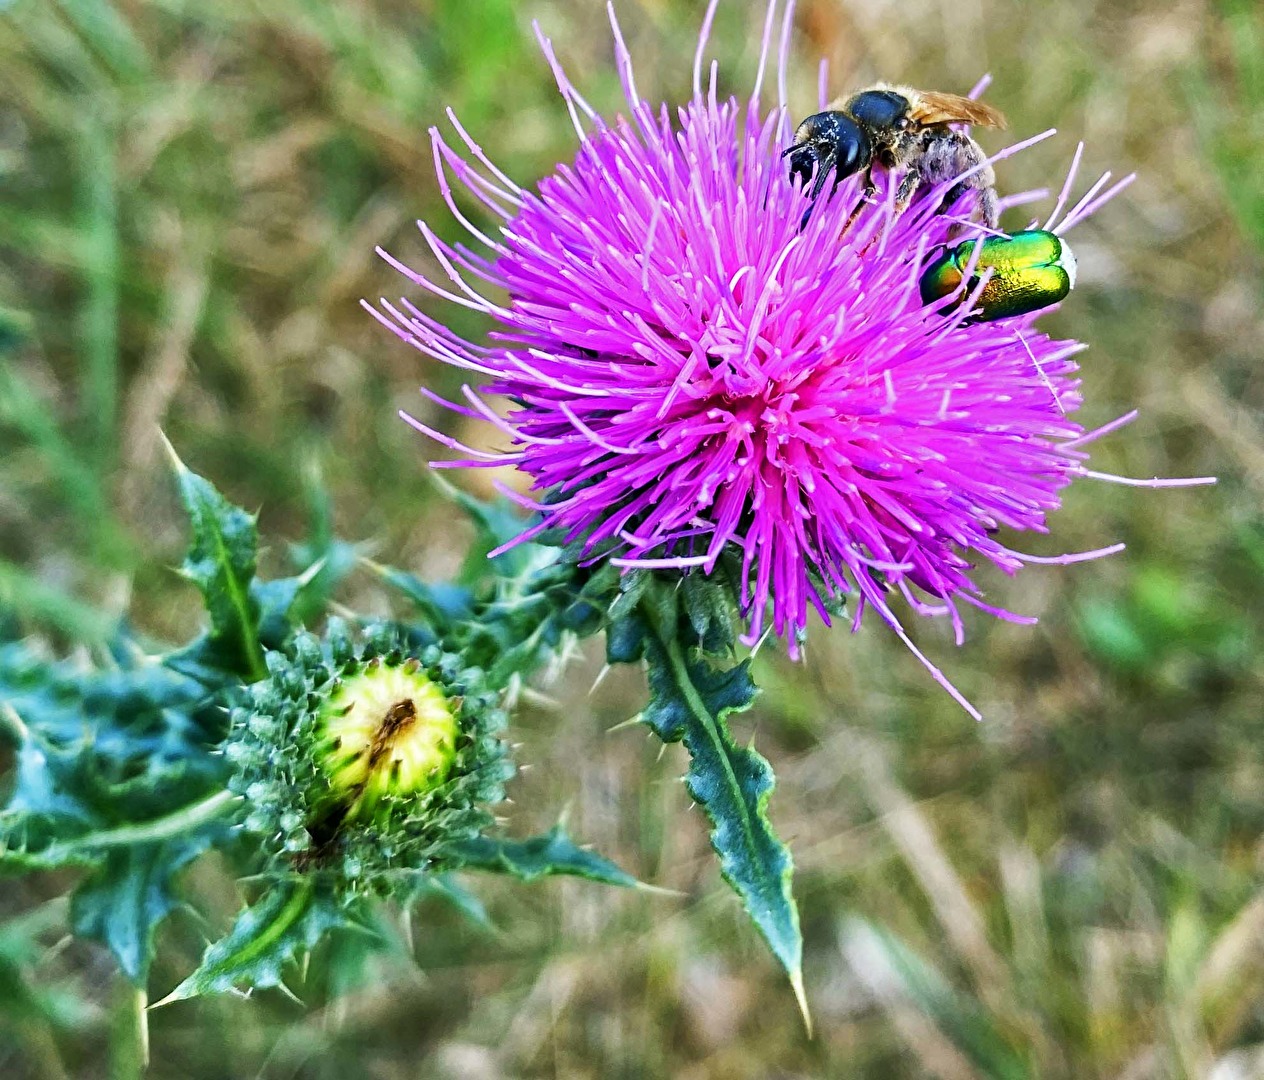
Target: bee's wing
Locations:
point(933, 107)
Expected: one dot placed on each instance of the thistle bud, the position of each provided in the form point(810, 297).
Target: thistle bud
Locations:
point(365, 758)
point(387, 730)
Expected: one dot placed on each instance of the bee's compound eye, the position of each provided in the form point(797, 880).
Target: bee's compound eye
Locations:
point(848, 144)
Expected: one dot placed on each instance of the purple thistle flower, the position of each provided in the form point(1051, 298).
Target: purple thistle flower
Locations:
point(693, 372)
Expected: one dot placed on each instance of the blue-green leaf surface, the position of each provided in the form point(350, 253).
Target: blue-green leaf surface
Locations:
point(106, 759)
point(690, 699)
point(552, 853)
point(221, 562)
point(125, 898)
point(286, 921)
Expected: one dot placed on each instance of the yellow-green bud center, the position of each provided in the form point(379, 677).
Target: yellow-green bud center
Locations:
point(388, 730)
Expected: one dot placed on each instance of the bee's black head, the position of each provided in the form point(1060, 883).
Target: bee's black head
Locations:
point(878, 110)
point(825, 142)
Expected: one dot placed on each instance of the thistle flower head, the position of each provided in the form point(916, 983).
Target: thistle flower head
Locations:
point(694, 369)
point(359, 760)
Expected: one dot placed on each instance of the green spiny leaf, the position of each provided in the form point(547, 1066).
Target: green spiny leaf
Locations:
point(102, 756)
point(689, 702)
point(100, 750)
point(288, 919)
point(122, 902)
point(279, 599)
point(442, 605)
point(221, 562)
point(114, 772)
point(443, 887)
point(331, 558)
point(528, 860)
point(707, 600)
point(529, 618)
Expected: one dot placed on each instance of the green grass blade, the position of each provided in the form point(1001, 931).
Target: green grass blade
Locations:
point(102, 272)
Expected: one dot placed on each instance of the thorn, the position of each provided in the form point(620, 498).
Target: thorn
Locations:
point(309, 575)
point(601, 677)
point(450, 490)
point(373, 567)
point(631, 721)
point(540, 700)
point(174, 996)
point(344, 612)
point(659, 890)
point(796, 984)
point(179, 467)
point(563, 819)
point(406, 928)
point(290, 993)
point(760, 643)
point(9, 713)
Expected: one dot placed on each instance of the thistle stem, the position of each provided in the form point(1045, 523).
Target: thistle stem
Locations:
point(181, 821)
point(129, 1043)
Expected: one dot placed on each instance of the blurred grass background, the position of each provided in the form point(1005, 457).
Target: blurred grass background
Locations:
point(189, 199)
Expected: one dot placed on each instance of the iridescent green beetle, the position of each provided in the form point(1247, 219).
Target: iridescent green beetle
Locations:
point(1030, 271)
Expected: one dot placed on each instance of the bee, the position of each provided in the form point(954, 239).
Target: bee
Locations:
point(902, 129)
point(1029, 271)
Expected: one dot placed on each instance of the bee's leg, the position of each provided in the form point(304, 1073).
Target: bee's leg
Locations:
point(903, 196)
point(904, 193)
point(971, 155)
point(988, 206)
point(870, 190)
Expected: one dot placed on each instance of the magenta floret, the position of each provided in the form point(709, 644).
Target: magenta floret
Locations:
point(692, 371)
